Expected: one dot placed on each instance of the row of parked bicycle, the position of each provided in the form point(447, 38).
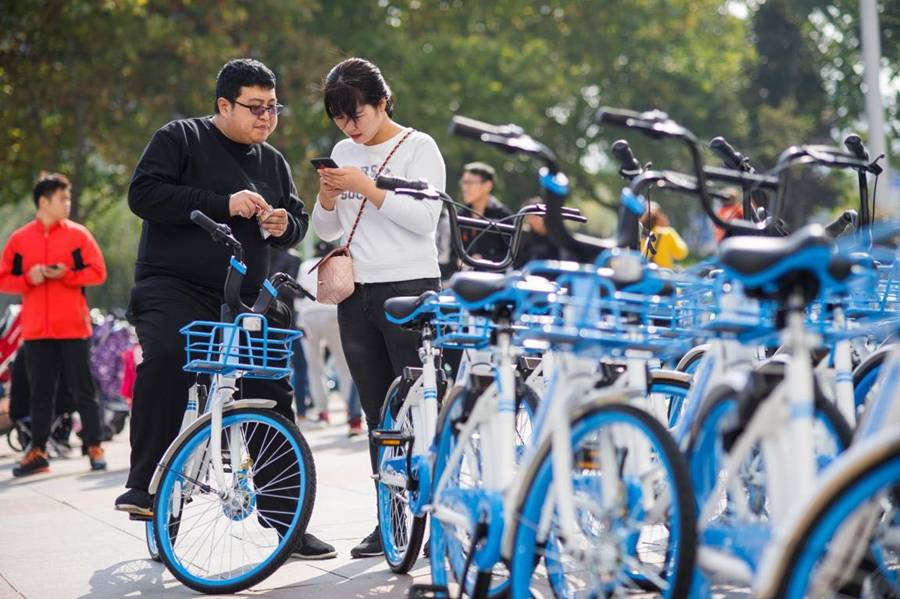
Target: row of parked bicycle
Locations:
point(612, 427)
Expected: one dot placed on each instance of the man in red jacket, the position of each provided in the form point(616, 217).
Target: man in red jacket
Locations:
point(49, 262)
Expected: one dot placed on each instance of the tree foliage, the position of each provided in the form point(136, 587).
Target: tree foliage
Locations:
point(84, 83)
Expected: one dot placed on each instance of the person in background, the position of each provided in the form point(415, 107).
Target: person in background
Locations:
point(321, 333)
point(535, 245)
point(288, 262)
point(49, 262)
point(663, 244)
point(477, 184)
point(731, 209)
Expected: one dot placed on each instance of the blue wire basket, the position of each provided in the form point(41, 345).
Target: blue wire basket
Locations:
point(247, 347)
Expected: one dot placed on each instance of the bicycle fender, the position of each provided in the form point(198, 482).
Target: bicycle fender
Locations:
point(201, 421)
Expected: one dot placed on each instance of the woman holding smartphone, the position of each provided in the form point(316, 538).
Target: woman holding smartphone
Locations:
point(393, 246)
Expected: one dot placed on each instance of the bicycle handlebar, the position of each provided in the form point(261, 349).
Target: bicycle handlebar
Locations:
point(416, 190)
point(629, 167)
point(395, 183)
point(729, 156)
point(233, 305)
point(837, 227)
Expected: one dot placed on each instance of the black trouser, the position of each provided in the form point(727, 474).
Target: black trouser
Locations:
point(46, 360)
point(159, 308)
point(376, 350)
point(20, 391)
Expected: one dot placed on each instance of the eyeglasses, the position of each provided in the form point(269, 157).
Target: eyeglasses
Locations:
point(470, 182)
point(258, 109)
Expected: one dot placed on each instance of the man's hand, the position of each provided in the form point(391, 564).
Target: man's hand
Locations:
point(55, 271)
point(36, 274)
point(247, 204)
point(276, 223)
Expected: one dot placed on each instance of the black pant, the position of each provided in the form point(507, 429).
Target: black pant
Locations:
point(159, 308)
point(20, 391)
point(376, 350)
point(46, 361)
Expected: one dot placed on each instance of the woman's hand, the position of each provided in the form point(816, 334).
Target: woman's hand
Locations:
point(348, 178)
point(328, 194)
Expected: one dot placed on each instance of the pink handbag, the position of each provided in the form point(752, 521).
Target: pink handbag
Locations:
point(336, 280)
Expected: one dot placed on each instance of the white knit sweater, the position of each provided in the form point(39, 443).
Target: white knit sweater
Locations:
point(397, 241)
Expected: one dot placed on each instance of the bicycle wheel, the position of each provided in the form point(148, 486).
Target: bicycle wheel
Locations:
point(635, 513)
point(228, 539)
point(401, 530)
point(152, 547)
point(717, 422)
point(846, 544)
point(451, 544)
point(668, 389)
point(865, 376)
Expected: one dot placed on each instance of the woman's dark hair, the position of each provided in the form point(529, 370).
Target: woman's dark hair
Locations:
point(46, 185)
point(353, 82)
point(242, 72)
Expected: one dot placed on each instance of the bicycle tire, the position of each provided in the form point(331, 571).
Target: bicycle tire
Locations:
point(400, 556)
point(449, 562)
point(866, 479)
point(680, 556)
point(283, 540)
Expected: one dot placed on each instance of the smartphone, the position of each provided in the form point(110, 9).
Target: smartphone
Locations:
point(323, 163)
point(55, 267)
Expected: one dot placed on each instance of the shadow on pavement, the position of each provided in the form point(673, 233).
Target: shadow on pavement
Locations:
point(133, 577)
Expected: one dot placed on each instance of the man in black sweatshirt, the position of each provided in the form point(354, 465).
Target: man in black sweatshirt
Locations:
point(222, 166)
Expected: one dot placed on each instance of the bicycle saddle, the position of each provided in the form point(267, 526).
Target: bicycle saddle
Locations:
point(403, 308)
point(747, 255)
point(476, 287)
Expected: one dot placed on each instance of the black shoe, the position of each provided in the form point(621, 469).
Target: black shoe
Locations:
point(310, 548)
point(370, 546)
point(135, 501)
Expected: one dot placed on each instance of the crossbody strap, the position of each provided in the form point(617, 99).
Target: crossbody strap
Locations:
point(378, 174)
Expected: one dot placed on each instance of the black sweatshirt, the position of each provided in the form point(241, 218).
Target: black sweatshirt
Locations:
point(190, 165)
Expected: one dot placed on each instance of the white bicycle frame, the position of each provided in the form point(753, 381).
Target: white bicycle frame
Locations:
point(221, 399)
point(421, 405)
point(879, 428)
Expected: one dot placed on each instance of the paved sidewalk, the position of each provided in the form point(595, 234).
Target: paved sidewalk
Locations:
point(60, 537)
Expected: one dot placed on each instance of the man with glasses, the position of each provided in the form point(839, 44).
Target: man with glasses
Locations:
point(222, 166)
point(477, 184)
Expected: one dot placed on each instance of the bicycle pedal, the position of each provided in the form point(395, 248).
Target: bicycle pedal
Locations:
point(387, 438)
point(428, 591)
point(140, 517)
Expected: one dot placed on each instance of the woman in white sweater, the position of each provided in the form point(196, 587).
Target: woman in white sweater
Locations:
point(393, 247)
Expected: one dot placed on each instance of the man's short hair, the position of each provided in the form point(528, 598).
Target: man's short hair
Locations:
point(47, 184)
point(482, 169)
point(242, 72)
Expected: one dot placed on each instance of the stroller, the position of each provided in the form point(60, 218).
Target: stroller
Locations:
point(10, 341)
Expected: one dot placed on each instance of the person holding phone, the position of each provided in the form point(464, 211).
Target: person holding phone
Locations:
point(49, 262)
point(222, 166)
point(393, 246)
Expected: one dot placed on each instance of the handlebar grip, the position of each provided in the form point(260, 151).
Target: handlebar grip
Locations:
point(724, 150)
point(205, 222)
point(855, 146)
point(627, 162)
point(473, 129)
point(393, 183)
point(840, 224)
point(616, 116)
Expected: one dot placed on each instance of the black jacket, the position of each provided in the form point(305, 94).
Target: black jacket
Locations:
point(190, 165)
